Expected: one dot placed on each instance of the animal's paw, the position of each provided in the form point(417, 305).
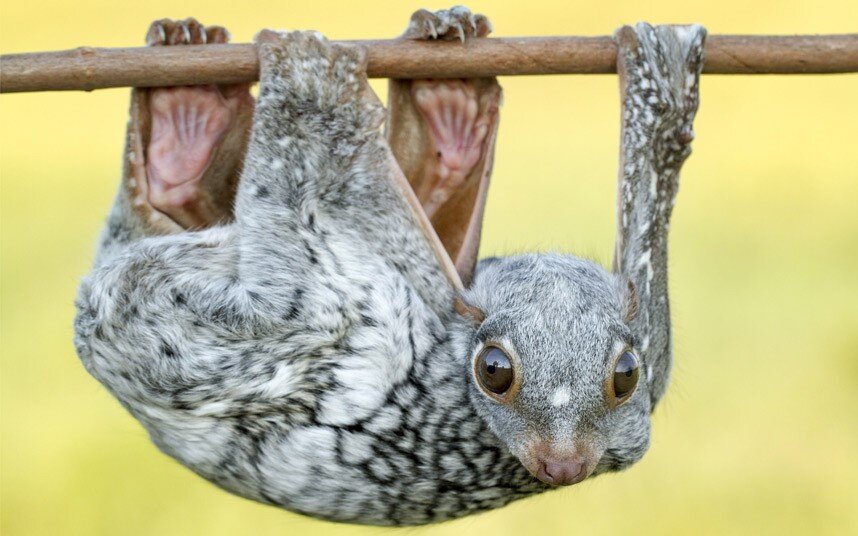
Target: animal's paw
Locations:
point(187, 126)
point(184, 32)
point(458, 118)
point(447, 24)
point(661, 66)
point(302, 73)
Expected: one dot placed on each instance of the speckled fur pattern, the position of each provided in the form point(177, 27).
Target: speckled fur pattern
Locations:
point(659, 69)
point(307, 355)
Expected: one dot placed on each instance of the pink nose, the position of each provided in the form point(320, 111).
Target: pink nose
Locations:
point(561, 472)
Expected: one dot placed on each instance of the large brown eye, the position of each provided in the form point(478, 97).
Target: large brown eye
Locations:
point(626, 374)
point(494, 370)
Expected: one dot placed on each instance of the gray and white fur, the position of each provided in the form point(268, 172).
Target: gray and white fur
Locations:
point(308, 355)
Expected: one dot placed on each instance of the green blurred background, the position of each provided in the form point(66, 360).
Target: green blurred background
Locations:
point(759, 432)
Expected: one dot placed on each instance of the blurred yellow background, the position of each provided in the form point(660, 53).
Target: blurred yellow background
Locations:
point(759, 432)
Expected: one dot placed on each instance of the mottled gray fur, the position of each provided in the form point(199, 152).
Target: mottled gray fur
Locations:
point(307, 355)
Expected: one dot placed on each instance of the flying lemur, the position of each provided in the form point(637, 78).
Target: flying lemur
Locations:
point(289, 299)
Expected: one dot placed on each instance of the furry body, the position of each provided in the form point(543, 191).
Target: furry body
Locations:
point(308, 355)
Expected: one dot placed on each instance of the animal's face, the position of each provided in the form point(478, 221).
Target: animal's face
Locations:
point(553, 369)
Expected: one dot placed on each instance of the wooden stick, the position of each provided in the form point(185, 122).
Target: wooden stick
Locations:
point(89, 68)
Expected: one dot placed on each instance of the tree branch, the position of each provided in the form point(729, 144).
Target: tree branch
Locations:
point(89, 68)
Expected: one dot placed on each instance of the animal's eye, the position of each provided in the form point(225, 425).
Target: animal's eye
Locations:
point(626, 373)
point(494, 370)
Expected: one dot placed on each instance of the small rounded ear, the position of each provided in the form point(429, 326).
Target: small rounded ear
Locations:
point(467, 311)
point(628, 298)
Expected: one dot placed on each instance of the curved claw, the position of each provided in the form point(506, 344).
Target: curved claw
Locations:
point(432, 30)
point(189, 31)
point(455, 23)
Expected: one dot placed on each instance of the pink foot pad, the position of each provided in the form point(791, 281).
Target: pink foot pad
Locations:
point(457, 125)
point(187, 125)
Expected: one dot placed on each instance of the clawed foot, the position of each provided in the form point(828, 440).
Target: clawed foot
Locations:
point(659, 68)
point(304, 75)
point(447, 24)
point(188, 124)
point(457, 114)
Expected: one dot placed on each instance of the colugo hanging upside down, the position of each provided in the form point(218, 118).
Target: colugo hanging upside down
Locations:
point(278, 293)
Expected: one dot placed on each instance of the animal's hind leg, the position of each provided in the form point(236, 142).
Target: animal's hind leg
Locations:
point(319, 173)
point(659, 68)
point(442, 133)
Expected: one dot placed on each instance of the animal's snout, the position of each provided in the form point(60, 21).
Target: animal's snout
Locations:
point(562, 462)
point(561, 472)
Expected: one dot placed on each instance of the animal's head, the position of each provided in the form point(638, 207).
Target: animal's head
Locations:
point(552, 365)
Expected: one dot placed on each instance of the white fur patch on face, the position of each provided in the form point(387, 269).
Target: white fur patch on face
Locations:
point(561, 396)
